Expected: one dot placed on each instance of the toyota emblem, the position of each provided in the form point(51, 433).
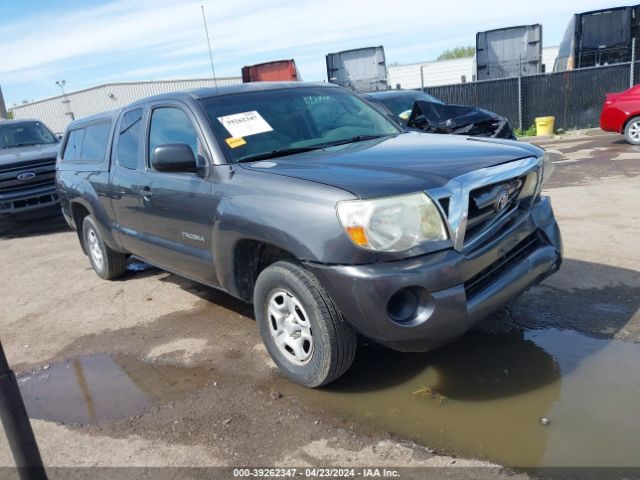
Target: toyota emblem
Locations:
point(23, 177)
point(502, 202)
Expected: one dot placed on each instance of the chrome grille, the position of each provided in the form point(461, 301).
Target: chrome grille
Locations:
point(465, 200)
point(44, 171)
point(490, 202)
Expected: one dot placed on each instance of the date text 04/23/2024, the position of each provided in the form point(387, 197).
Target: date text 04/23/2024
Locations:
point(315, 473)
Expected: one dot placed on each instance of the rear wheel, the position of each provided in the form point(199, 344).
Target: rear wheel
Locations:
point(106, 262)
point(302, 329)
point(632, 131)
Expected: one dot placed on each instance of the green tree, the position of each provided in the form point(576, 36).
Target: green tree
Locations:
point(457, 52)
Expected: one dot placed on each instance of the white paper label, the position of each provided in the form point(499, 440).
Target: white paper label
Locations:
point(245, 124)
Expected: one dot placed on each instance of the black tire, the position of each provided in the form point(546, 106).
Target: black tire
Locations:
point(632, 131)
point(113, 263)
point(334, 341)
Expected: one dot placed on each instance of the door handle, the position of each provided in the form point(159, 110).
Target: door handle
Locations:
point(147, 193)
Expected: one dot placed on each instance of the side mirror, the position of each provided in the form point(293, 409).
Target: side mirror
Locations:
point(174, 157)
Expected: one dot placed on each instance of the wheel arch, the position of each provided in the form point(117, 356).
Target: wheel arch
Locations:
point(79, 211)
point(80, 207)
point(250, 257)
point(627, 120)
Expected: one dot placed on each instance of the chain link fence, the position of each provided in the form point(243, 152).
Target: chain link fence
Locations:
point(574, 97)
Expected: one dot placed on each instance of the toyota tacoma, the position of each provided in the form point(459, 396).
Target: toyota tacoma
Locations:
point(310, 203)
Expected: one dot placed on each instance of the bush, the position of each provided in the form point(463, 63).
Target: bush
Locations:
point(529, 132)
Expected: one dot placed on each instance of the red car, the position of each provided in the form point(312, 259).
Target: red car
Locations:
point(621, 114)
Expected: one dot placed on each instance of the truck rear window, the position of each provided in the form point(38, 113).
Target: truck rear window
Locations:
point(87, 144)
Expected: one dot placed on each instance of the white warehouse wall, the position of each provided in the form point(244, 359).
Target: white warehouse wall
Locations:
point(52, 111)
point(447, 72)
point(443, 72)
point(549, 56)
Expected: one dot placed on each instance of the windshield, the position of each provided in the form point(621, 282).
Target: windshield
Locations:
point(23, 134)
point(273, 123)
point(401, 102)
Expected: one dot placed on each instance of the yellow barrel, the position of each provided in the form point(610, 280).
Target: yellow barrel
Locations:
point(544, 125)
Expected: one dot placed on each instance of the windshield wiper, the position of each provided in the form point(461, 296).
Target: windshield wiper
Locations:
point(18, 145)
point(282, 152)
point(357, 138)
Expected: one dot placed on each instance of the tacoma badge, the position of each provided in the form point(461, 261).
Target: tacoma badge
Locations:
point(193, 236)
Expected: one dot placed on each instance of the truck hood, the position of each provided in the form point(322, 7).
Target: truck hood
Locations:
point(9, 156)
point(405, 163)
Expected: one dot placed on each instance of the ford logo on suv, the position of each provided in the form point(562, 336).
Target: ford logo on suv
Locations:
point(23, 177)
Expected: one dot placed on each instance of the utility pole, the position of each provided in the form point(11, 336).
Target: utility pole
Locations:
point(520, 93)
point(17, 426)
point(66, 101)
point(3, 107)
point(633, 62)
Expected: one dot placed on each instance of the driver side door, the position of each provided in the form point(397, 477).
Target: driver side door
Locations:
point(178, 206)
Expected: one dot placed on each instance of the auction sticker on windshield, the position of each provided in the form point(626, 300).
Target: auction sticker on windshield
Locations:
point(235, 142)
point(245, 124)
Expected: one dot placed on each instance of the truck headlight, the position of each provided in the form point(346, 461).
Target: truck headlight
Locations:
point(392, 224)
point(547, 165)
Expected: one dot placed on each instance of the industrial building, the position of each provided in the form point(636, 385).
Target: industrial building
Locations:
point(447, 72)
point(57, 112)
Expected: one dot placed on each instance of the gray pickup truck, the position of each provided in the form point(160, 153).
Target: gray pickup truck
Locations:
point(308, 202)
point(28, 153)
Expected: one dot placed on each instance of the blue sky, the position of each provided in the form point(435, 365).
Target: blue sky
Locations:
point(91, 42)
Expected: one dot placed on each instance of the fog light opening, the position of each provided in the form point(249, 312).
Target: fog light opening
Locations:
point(403, 305)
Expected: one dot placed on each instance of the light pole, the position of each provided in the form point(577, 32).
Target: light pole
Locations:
point(66, 101)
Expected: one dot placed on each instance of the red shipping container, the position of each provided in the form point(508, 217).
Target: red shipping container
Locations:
point(277, 71)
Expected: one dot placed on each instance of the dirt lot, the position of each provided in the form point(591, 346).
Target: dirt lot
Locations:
point(199, 390)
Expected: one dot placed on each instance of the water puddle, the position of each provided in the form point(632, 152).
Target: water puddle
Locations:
point(526, 398)
point(92, 389)
point(135, 265)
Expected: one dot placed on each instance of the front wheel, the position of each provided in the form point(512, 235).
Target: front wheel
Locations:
point(107, 263)
point(632, 131)
point(300, 326)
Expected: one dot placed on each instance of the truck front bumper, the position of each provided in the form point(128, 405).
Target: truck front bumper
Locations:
point(28, 200)
point(422, 303)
